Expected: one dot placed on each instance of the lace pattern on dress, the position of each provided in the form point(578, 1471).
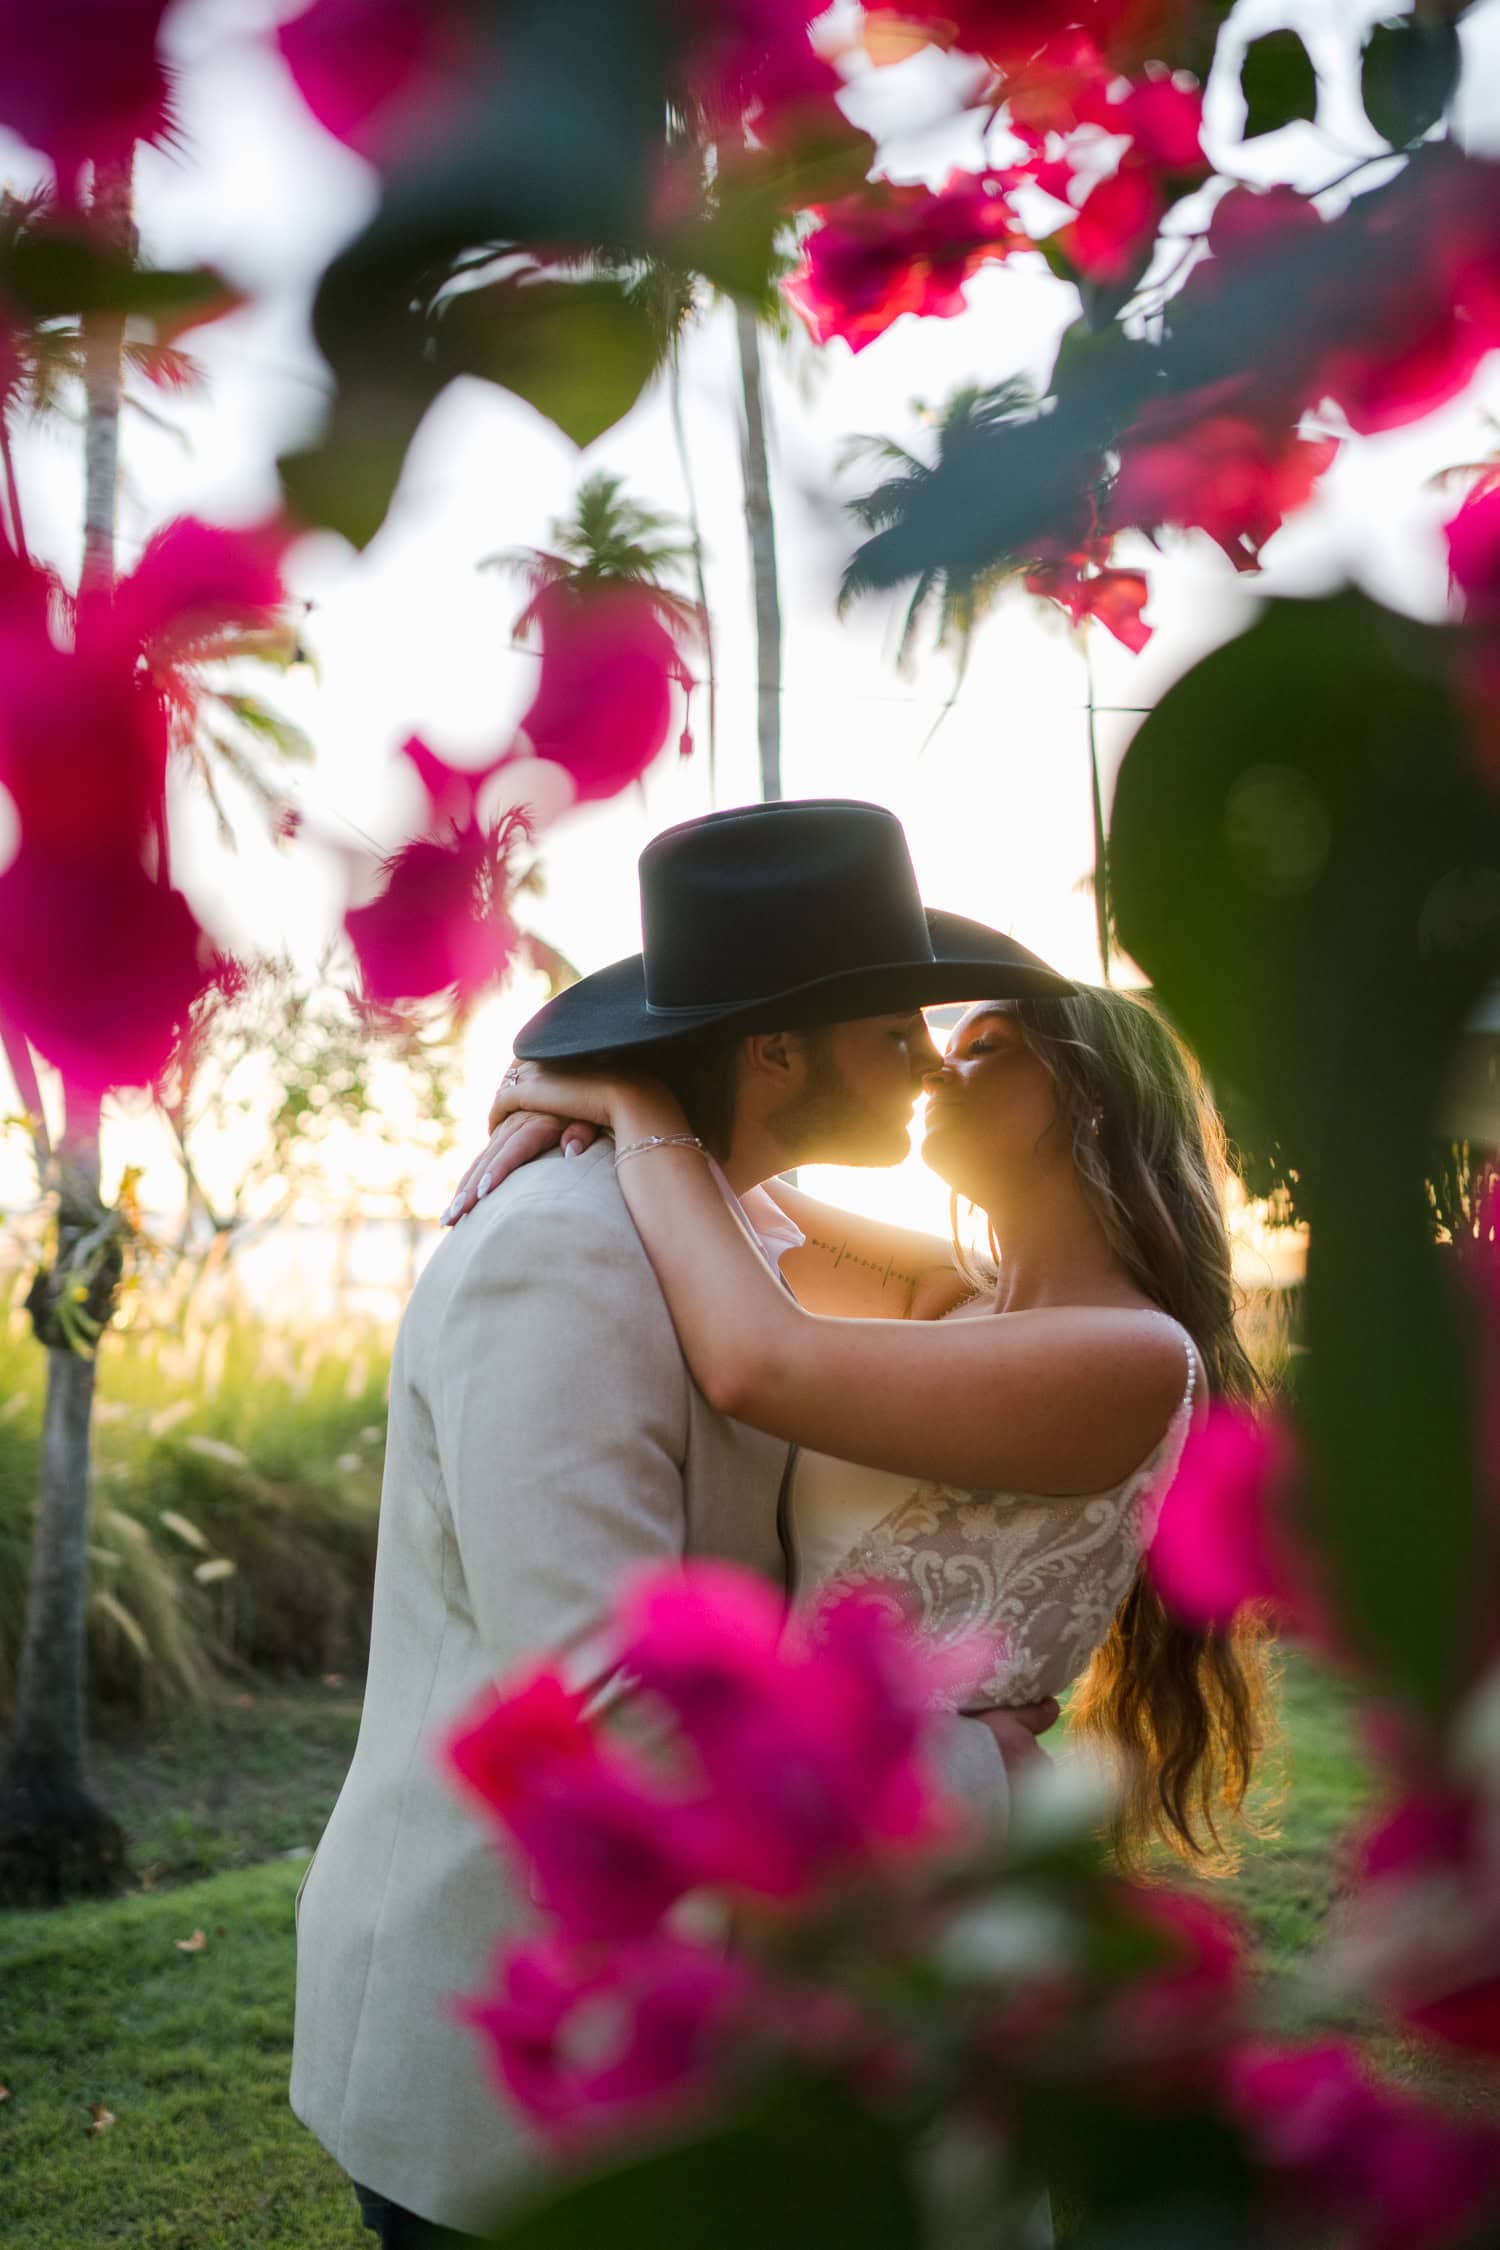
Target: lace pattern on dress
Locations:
point(1040, 1577)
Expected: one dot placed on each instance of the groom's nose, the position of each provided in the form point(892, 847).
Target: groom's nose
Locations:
point(924, 1055)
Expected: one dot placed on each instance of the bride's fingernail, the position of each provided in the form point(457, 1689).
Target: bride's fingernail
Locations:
point(485, 1184)
point(571, 1148)
point(448, 1216)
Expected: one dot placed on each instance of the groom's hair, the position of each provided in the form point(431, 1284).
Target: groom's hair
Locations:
point(700, 1072)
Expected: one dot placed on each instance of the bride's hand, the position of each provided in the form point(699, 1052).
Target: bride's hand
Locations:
point(517, 1140)
point(532, 1110)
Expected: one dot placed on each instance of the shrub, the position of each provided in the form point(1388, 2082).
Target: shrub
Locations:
point(236, 1488)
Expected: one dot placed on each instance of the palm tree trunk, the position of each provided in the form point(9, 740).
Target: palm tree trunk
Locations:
point(700, 583)
point(762, 528)
point(55, 1841)
point(1103, 916)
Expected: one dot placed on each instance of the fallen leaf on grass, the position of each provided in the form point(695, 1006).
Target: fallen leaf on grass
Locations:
point(102, 2119)
point(4, 2093)
point(219, 1930)
point(333, 1679)
point(244, 1703)
point(194, 1944)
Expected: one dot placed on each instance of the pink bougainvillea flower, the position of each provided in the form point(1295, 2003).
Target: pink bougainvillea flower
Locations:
point(195, 581)
point(100, 958)
point(900, 249)
point(608, 1851)
point(1222, 1538)
point(83, 80)
point(1164, 118)
point(1116, 225)
point(1474, 568)
point(1412, 361)
point(1169, 2030)
point(1205, 461)
point(1473, 539)
point(1011, 32)
point(750, 62)
point(813, 1743)
point(440, 921)
point(1384, 2169)
point(603, 706)
point(102, 963)
point(1424, 1932)
point(378, 73)
point(1085, 588)
point(591, 2040)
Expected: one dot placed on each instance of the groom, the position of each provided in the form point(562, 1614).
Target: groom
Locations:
point(546, 1439)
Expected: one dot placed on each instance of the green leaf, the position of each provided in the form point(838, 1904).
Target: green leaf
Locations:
point(804, 2168)
point(1278, 82)
point(1307, 865)
point(1407, 79)
point(581, 352)
point(54, 274)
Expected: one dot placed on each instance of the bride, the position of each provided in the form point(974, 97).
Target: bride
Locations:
point(997, 1455)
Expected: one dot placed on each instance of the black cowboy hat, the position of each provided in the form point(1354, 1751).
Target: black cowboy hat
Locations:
point(773, 917)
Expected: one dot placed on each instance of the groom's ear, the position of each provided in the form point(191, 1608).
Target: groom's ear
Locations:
point(775, 1059)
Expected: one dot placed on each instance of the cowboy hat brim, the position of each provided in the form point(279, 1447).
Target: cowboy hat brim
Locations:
point(608, 1012)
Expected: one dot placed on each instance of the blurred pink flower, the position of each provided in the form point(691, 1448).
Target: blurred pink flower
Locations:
point(594, 2039)
point(1168, 2030)
point(440, 923)
point(1083, 586)
point(1424, 1928)
point(195, 581)
point(603, 705)
point(379, 74)
point(1223, 1537)
point(607, 1850)
point(1383, 2169)
point(83, 80)
point(813, 1741)
point(1216, 461)
point(892, 249)
point(100, 958)
point(1473, 539)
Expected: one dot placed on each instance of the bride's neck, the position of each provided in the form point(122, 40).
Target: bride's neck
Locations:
point(1053, 1250)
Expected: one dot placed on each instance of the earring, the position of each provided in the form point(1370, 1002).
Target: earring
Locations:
point(1096, 1121)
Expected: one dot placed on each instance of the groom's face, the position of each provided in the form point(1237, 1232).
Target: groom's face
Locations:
point(859, 1084)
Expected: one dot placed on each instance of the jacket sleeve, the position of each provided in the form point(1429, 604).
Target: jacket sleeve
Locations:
point(563, 1427)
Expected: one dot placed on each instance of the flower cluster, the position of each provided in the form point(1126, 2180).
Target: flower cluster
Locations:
point(877, 1938)
point(891, 249)
point(601, 713)
point(101, 956)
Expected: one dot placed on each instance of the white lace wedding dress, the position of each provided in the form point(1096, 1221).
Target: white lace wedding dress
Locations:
point(1041, 1575)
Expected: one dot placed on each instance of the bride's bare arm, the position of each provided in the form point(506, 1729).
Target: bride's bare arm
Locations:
point(858, 1267)
point(1058, 1401)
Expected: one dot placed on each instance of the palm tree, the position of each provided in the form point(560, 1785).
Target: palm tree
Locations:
point(760, 521)
point(952, 601)
point(609, 539)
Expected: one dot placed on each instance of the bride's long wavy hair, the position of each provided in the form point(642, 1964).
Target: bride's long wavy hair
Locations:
point(1187, 1712)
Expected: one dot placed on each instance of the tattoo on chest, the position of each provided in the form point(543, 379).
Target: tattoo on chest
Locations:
point(842, 1255)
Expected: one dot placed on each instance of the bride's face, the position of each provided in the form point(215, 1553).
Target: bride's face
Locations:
point(991, 1104)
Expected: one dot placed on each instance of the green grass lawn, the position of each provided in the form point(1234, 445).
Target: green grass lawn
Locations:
point(189, 2051)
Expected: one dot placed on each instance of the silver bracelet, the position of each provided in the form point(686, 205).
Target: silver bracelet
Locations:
point(660, 1140)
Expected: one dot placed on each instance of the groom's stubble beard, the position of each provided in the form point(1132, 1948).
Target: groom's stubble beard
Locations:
point(827, 1122)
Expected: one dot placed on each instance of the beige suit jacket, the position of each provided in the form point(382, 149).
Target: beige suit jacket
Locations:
point(545, 1438)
